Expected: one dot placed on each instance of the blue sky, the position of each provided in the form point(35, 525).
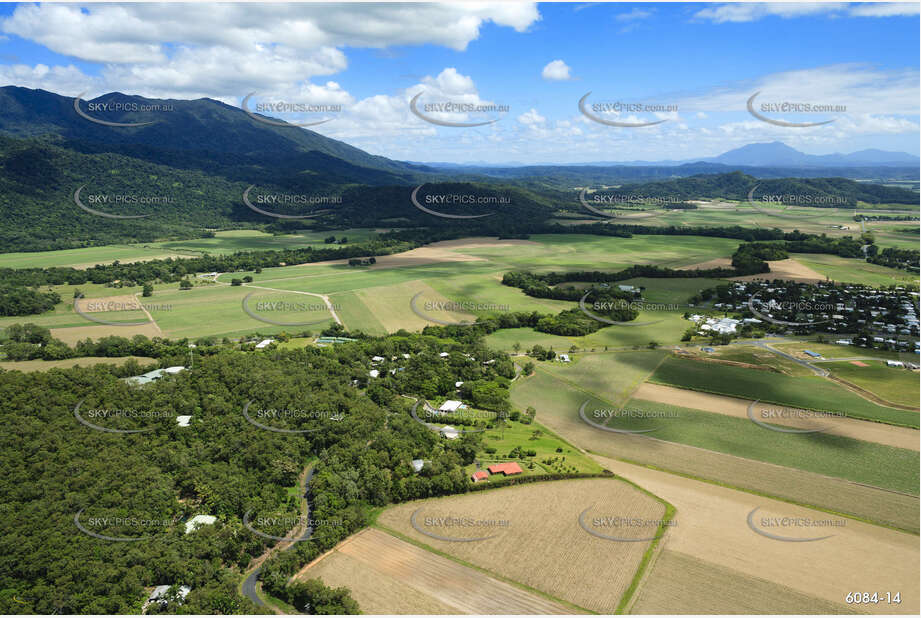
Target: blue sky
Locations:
point(699, 61)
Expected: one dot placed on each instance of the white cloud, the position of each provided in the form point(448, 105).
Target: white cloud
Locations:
point(751, 11)
point(634, 15)
point(557, 71)
point(531, 118)
point(885, 9)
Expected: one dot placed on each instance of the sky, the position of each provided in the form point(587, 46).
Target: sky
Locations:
point(691, 68)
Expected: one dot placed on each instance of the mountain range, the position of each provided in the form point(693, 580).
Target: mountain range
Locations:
point(200, 156)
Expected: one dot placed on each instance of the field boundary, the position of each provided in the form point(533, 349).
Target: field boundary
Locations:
point(638, 576)
point(755, 492)
point(869, 396)
point(652, 380)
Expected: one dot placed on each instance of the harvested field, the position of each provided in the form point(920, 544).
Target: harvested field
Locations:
point(543, 545)
point(899, 437)
point(443, 251)
point(789, 270)
point(859, 363)
point(72, 335)
point(683, 584)
point(390, 576)
point(80, 361)
point(713, 528)
point(557, 407)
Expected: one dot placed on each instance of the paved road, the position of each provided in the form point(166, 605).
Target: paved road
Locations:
point(249, 584)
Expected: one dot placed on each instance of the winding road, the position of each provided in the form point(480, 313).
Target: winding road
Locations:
point(249, 587)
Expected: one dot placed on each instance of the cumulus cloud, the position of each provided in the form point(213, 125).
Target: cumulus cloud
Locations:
point(556, 71)
point(223, 50)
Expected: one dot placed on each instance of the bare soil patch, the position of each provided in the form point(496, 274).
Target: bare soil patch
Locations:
point(712, 526)
point(390, 576)
point(543, 545)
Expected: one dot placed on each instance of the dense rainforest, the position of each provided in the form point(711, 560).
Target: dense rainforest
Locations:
point(141, 487)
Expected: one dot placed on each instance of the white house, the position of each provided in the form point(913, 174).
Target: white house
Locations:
point(564, 358)
point(377, 359)
point(451, 405)
point(449, 432)
point(174, 370)
point(418, 464)
point(264, 343)
point(198, 521)
point(892, 363)
point(183, 420)
point(443, 355)
point(374, 373)
point(458, 384)
point(161, 595)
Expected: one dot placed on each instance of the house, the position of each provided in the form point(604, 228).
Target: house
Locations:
point(458, 384)
point(507, 469)
point(417, 465)
point(377, 359)
point(406, 356)
point(479, 475)
point(626, 288)
point(161, 595)
point(708, 349)
point(156, 374)
point(374, 373)
point(892, 363)
point(564, 358)
point(183, 420)
point(844, 342)
point(264, 344)
point(443, 355)
point(449, 432)
point(198, 521)
point(812, 354)
point(451, 405)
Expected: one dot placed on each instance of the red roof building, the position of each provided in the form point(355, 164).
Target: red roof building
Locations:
point(508, 469)
point(479, 475)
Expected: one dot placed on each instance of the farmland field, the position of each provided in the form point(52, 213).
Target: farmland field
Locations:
point(713, 532)
point(683, 584)
point(223, 242)
point(83, 361)
point(880, 433)
point(813, 392)
point(892, 383)
point(541, 532)
point(558, 406)
point(390, 576)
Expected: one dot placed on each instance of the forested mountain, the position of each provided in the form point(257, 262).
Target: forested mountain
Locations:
point(188, 171)
point(737, 186)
